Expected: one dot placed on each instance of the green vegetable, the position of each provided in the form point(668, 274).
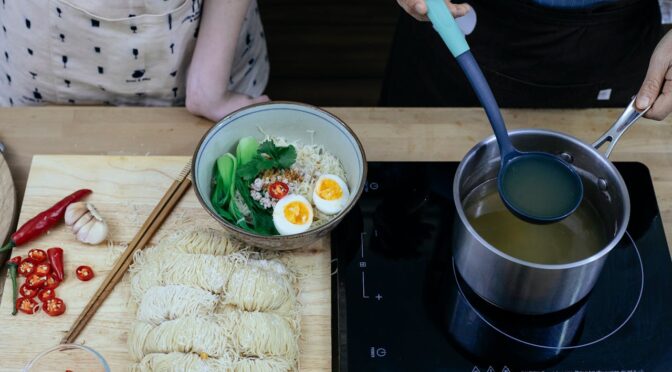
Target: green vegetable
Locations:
point(232, 176)
point(247, 148)
point(261, 218)
point(223, 175)
point(11, 266)
point(237, 215)
point(283, 156)
point(227, 169)
point(269, 156)
point(218, 199)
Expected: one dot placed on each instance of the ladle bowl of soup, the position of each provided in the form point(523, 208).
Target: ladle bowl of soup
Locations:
point(531, 268)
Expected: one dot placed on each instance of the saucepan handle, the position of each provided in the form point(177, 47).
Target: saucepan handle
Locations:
point(622, 124)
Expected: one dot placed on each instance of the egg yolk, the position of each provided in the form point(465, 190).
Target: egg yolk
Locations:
point(329, 190)
point(297, 213)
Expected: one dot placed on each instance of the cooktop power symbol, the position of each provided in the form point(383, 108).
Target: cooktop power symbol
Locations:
point(378, 352)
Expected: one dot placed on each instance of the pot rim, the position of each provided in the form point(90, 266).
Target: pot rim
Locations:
point(625, 217)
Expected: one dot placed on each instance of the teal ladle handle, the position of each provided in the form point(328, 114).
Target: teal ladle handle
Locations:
point(445, 25)
point(450, 32)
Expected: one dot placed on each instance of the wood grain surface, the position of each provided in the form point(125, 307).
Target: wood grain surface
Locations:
point(437, 134)
point(125, 191)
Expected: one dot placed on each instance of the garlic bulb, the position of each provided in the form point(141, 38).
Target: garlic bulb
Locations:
point(86, 223)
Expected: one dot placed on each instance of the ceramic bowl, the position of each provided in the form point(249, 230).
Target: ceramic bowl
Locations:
point(295, 122)
point(68, 357)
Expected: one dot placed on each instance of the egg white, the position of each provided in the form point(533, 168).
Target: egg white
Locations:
point(331, 206)
point(283, 225)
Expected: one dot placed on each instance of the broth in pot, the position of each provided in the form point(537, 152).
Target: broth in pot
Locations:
point(579, 236)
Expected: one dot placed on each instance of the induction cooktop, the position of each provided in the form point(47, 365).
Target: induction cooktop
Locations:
point(400, 305)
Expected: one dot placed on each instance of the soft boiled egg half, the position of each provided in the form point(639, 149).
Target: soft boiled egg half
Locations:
point(331, 194)
point(292, 215)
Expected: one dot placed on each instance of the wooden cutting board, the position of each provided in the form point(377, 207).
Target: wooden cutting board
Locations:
point(126, 189)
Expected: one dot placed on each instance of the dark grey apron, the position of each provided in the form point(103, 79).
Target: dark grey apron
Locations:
point(532, 56)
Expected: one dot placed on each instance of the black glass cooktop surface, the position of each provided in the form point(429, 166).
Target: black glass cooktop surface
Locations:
point(399, 305)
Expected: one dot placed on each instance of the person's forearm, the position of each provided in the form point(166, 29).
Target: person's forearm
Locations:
point(212, 60)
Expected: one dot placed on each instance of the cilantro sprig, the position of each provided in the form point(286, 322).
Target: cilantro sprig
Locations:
point(268, 156)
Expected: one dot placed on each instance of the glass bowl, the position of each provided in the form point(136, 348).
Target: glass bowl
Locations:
point(66, 357)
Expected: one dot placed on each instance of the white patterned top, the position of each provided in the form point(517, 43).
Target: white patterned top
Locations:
point(132, 52)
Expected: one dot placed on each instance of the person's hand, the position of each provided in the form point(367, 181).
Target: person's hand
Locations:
point(656, 91)
point(215, 109)
point(418, 8)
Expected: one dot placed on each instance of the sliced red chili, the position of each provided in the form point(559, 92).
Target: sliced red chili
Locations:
point(46, 294)
point(43, 269)
point(35, 281)
point(278, 190)
point(54, 306)
point(27, 305)
point(27, 292)
point(56, 259)
point(84, 273)
point(37, 255)
point(52, 282)
point(27, 267)
point(16, 260)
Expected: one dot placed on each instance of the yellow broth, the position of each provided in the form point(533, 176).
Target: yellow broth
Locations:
point(578, 236)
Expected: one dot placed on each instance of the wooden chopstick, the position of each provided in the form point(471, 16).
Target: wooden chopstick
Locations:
point(159, 214)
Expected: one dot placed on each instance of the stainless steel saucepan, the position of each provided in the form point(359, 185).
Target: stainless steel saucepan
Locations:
point(527, 287)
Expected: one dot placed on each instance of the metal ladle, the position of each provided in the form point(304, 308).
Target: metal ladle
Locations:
point(535, 186)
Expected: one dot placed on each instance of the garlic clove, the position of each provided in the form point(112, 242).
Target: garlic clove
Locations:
point(83, 232)
point(96, 234)
point(86, 222)
point(74, 212)
point(85, 219)
point(92, 209)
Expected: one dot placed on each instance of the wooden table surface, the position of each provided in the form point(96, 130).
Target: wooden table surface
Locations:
point(438, 134)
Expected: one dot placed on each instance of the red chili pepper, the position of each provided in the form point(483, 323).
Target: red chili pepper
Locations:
point(37, 255)
point(56, 259)
point(27, 267)
point(28, 292)
point(278, 190)
point(27, 305)
point(54, 306)
point(46, 294)
point(16, 260)
point(35, 281)
point(43, 269)
point(39, 224)
point(84, 273)
point(51, 282)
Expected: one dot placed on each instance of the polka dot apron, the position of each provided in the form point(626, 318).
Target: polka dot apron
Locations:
point(132, 52)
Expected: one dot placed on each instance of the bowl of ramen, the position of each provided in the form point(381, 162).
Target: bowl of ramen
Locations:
point(531, 268)
point(279, 175)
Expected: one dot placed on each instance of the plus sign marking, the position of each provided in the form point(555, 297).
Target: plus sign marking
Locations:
point(379, 297)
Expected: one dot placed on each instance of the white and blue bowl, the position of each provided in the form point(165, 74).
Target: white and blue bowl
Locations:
point(293, 121)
